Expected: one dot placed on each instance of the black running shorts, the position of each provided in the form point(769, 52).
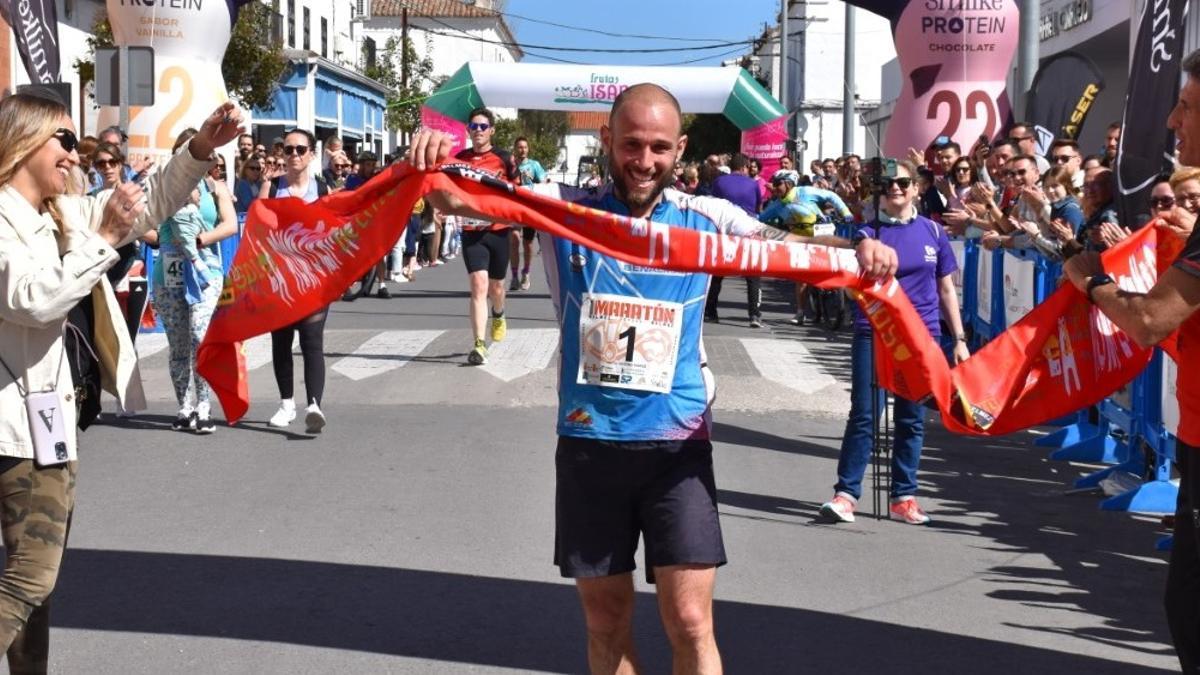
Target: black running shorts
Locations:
point(486, 250)
point(528, 233)
point(609, 492)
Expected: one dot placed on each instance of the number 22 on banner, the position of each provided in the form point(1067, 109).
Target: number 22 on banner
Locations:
point(951, 100)
point(164, 136)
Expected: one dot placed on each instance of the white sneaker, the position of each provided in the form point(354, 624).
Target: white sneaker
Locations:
point(314, 419)
point(283, 416)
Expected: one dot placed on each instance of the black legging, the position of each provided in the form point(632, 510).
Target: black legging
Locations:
point(312, 349)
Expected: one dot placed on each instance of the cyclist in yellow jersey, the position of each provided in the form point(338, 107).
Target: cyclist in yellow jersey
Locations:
point(798, 208)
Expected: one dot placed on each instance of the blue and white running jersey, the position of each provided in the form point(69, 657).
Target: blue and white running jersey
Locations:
point(630, 337)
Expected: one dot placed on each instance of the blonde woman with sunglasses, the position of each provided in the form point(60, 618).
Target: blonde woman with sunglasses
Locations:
point(55, 251)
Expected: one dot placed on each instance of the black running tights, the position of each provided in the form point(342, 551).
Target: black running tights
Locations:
point(312, 350)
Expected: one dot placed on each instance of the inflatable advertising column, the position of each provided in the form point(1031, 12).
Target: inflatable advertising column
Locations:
point(954, 58)
point(189, 39)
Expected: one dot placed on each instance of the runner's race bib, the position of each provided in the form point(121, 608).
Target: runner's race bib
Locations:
point(474, 224)
point(629, 343)
point(173, 269)
point(824, 230)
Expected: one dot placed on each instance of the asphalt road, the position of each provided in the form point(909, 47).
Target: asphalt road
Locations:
point(415, 534)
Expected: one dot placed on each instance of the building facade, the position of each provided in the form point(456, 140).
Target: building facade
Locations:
point(449, 32)
point(816, 74)
point(323, 89)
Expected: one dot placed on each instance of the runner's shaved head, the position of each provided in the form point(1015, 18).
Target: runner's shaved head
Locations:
point(646, 93)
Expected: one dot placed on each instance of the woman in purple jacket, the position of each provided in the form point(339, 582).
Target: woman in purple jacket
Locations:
point(926, 265)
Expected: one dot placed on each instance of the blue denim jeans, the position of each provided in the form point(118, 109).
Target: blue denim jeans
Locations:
point(908, 419)
point(406, 245)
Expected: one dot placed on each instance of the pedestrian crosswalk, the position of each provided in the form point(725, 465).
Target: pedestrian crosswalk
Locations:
point(789, 363)
point(759, 372)
point(385, 352)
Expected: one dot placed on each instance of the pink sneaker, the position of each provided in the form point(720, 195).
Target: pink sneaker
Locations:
point(906, 509)
point(840, 509)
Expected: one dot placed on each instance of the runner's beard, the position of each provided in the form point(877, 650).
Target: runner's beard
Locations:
point(642, 198)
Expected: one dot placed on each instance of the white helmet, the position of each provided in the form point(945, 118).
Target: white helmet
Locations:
point(786, 174)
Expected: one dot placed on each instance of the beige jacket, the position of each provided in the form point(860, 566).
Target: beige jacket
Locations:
point(43, 274)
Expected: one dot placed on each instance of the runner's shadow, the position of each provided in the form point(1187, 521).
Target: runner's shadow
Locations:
point(479, 621)
point(140, 422)
point(723, 432)
point(780, 506)
point(261, 426)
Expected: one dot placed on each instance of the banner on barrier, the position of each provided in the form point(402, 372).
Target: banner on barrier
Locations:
point(1019, 282)
point(1170, 396)
point(984, 290)
point(960, 256)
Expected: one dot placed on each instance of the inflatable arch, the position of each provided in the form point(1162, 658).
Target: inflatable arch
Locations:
point(541, 86)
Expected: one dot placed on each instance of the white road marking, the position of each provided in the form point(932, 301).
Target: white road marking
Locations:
point(258, 350)
point(789, 363)
point(522, 352)
point(384, 352)
point(149, 344)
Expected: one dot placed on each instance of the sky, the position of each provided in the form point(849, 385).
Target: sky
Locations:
point(720, 21)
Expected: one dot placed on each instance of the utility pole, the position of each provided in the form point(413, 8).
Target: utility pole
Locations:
point(849, 84)
point(404, 57)
point(123, 94)
point(404, 48)
point(783, 65)
point(1027, 54)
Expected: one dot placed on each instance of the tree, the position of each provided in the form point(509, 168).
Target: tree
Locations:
point(709, 134)
point(406, 77)
point(252, 66)
point(544, 129)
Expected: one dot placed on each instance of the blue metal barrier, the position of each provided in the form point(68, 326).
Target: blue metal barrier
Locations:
point(1156, 494)
point(1126, 430)
point(989, 307)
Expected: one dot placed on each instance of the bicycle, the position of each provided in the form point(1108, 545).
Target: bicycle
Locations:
point(827, 306)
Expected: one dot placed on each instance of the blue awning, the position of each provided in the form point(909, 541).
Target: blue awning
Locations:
point(326, 101)
point(337, 98)
point(350, 86)
point(353, 112)
point(296, 77)
point(284, 107)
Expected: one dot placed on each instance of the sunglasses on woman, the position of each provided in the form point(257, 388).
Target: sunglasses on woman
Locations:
point(902, 183)
point(105, 163)
point(67, 139)
point(300, 150)
point(962, 169)
point(1162, 202)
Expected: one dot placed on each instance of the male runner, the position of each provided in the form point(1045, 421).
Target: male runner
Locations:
point(484, 243)
point(531, 173)
point(634, 455)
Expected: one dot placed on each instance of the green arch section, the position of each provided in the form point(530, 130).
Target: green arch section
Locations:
point(750, 105)
point(747, 106)
point(458, 96)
